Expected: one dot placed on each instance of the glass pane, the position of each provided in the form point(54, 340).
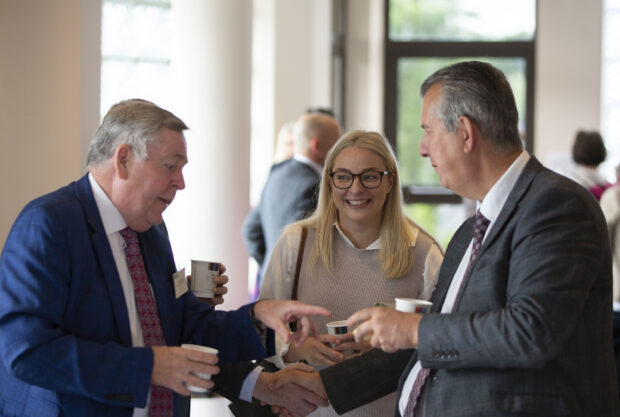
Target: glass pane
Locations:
point(135, 31)
point(124, 80)
point(462, 20)
point(416, 170)
point(440, 220)
point(610, 88)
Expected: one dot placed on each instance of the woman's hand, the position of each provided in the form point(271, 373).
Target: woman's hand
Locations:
point(316, 351)
point(348, 343)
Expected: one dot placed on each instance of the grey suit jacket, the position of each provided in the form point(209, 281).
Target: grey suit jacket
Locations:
point(290, 194)
point(531, 331)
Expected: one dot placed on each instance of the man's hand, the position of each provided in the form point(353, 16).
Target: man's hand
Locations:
point(218, 291)
point(277, 314)
point(173, 367)
point(385, 328)
point(288, 399)
point(316, 351)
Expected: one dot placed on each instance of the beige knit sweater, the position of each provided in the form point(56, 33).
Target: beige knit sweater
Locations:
point(358, 282)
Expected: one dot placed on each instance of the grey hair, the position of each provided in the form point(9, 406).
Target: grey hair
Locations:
point(480, 92)
point(134, 122)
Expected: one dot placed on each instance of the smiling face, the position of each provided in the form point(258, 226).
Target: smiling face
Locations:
point(443, 148)
point(149, 185)
point(358, 206)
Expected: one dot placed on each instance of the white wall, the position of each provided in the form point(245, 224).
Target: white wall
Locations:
point(49, 97)
point(568, 73)
point(49, 81)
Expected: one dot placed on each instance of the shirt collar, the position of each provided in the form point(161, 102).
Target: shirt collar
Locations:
point(305, 160)
point(111, 218)
point(493, 202)
point(376, 245)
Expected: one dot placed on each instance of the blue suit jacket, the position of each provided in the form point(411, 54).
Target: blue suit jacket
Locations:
point(65, 342)
point(530, 333)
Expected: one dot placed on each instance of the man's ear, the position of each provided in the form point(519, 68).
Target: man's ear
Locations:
point(467, 133)
point(123, 156)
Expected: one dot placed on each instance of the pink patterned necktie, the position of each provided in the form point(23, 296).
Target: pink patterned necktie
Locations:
point(480, 228)
point(161, 398)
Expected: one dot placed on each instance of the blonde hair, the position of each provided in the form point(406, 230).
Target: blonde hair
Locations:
point(396, 228)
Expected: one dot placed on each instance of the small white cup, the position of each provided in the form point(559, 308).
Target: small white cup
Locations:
point(203, 273)
point(413, 305)
point(338, 328)
point(206, 349)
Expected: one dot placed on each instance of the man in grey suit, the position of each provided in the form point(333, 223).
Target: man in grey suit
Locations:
point(521, 322)
point(290, 193)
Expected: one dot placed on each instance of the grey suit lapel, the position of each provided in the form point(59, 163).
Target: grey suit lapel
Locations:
point(531, 169)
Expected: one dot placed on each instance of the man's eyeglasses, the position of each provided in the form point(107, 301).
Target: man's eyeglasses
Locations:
point(369, 179)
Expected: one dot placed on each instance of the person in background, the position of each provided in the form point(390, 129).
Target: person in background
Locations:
point(360, 249)
point(92, 312)
point(290, 193)
point(285, 143)
point(588, 153)
point(522, 313)
point(610, 204)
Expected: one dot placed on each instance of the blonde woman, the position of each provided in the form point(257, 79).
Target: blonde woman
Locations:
point(360, 249)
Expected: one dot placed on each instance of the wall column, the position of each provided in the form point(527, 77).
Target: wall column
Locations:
point(211, 72)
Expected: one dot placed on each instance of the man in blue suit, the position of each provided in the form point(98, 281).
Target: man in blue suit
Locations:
point(77, 337)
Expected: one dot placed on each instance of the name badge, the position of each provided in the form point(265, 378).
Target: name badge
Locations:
point(180, 283)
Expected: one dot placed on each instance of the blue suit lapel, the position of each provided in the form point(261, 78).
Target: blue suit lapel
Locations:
point(106, 260)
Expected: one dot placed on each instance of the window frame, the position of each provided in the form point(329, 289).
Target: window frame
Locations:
point(395, 50)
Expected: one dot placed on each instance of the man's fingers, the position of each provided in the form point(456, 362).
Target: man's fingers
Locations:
point(359, 317)
point(283, 331)
point(198, 356)
point(363, 332)
point(220, 279)
point(199, 382)
point(220, 290)
point(303, 330)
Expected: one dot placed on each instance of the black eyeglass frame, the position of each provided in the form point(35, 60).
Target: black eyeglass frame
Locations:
point(381, 173)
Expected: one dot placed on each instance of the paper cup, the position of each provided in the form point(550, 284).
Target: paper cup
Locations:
point(203, 273)
point(206, 349)
point(412, 305)
point(338, 328)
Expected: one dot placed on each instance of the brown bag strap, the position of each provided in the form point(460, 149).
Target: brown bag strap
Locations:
point(300, 258)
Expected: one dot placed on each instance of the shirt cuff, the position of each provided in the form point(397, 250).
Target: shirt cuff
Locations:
point(249, 383)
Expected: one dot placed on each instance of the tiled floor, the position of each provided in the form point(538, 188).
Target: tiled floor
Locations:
point(210, 407)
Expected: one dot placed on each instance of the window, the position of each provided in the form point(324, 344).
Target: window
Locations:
point(135, 51)
point(610, 88)
point(425, 35)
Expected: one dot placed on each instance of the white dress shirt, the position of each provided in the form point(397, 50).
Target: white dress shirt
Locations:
point(113, 223)
point(490, 207)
